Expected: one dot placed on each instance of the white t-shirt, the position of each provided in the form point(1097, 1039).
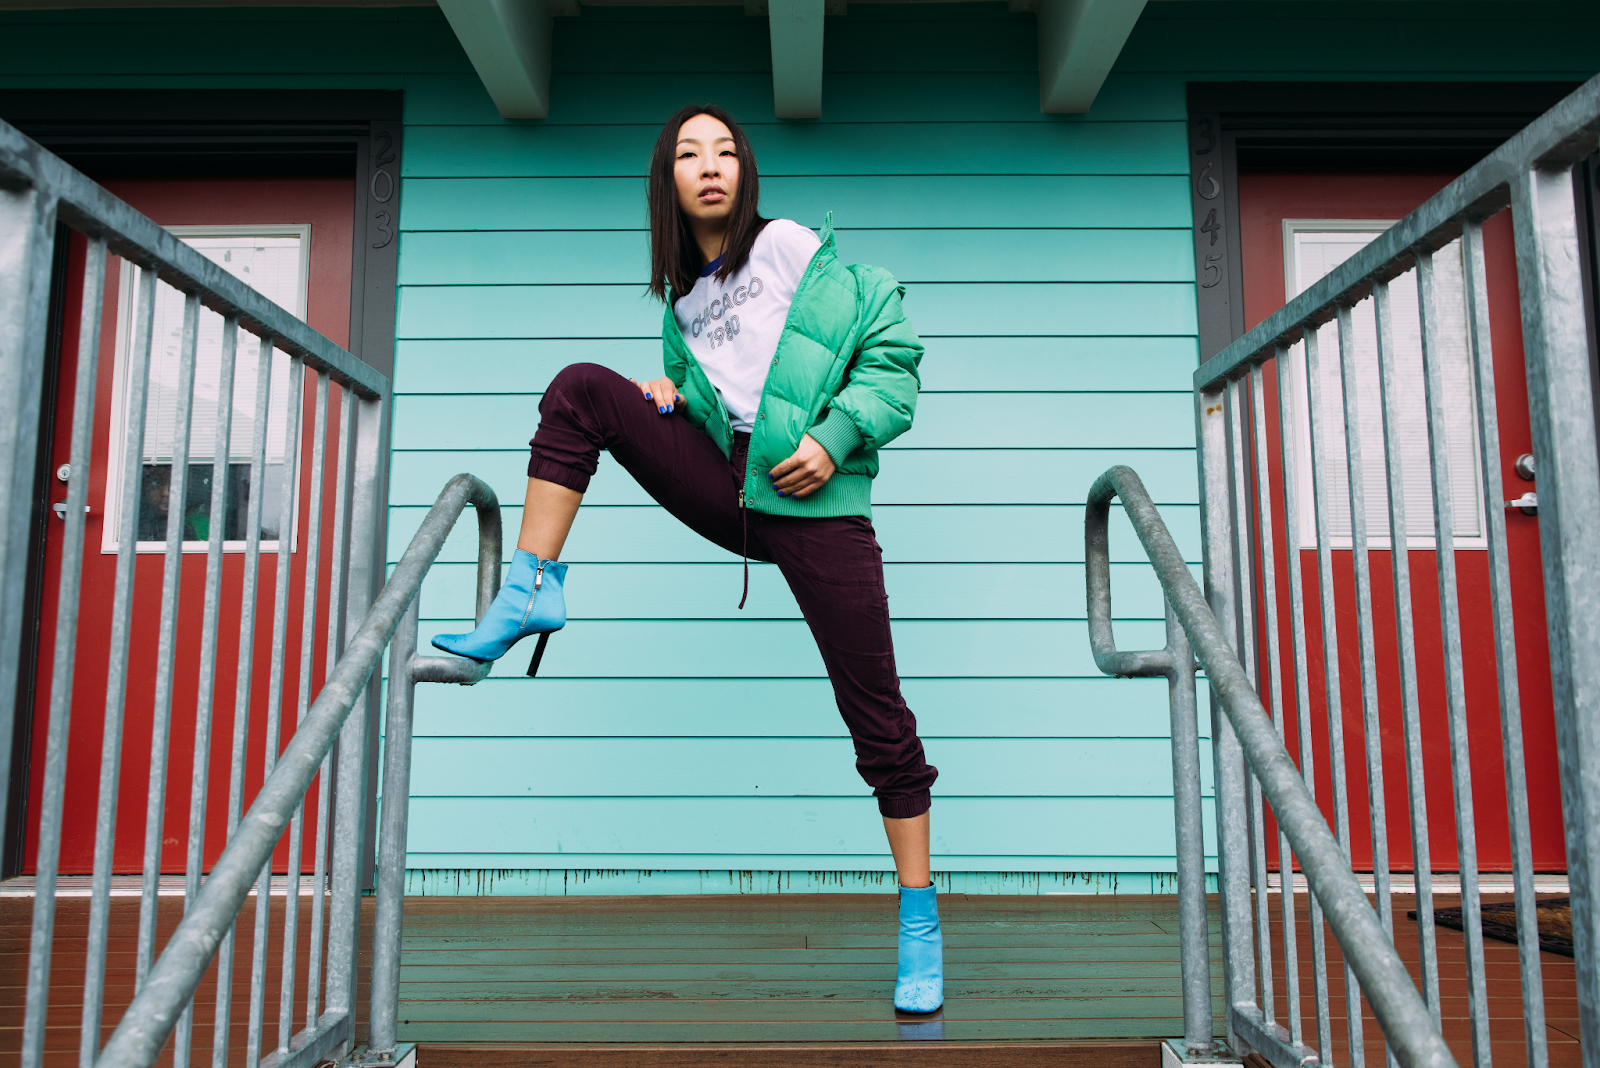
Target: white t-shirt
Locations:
point(733, 327)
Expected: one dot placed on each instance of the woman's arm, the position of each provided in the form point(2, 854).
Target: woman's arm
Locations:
point(879, 398)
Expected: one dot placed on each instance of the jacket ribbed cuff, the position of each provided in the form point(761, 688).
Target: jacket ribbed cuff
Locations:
point(837, 434)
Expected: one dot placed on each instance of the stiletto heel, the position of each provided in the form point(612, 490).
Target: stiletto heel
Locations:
point(533, 601)
point(538, 654)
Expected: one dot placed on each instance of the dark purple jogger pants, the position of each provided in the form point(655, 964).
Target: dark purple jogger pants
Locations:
point(833, 566)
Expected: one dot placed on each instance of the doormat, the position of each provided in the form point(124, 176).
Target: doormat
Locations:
point(1500, 921)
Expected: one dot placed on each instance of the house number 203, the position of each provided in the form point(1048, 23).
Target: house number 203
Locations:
point(382, 186)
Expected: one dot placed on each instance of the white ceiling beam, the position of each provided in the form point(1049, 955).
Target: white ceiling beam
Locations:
point(1079, 41)
point(508, 42)
point(796, 27)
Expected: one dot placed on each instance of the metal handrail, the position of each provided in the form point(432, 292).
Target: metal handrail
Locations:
point(154, 1012)
point(1399, 1007)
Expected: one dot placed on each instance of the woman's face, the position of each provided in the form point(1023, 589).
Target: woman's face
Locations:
point(706, 169)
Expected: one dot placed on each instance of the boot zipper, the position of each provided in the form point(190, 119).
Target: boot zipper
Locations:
point(538, 580)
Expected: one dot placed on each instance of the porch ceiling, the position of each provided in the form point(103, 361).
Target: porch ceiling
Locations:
point(508, 42)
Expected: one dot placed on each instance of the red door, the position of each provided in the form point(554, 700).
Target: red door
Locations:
point(1290, 228)
point(291, 239)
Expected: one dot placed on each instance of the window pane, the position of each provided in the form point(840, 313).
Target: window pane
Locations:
point(272, 264)
point(1315, 254)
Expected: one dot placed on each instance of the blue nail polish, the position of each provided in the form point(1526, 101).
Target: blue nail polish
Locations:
point(648, 397)
point(660, 409)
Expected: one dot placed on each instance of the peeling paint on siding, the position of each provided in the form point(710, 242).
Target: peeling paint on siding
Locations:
point(559, 882)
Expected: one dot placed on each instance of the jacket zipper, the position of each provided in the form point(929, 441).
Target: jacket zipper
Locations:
point(761, 407)
point(744, 542)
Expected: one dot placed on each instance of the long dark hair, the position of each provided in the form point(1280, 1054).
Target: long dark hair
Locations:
point(675, 258)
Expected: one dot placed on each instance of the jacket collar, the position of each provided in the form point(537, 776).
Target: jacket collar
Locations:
point(827, 251)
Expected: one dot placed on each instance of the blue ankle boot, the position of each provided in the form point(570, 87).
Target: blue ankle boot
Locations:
point(530, 602)
point(919, 987)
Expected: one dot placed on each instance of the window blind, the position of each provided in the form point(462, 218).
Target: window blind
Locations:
point(1313, 254)
point(273, 266)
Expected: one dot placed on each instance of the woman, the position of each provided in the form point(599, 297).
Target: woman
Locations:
point(786, 371)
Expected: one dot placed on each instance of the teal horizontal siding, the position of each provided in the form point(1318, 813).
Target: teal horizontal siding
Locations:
point(909, 534)
point(847, 96)
point(964, 364)
point(512, 832)
point(971, 37)
point(796, 149)
point(945, 308)
point(948, 709)
point(964, 590)
point(946, 200)
point(1113, 873)
point(779, 767)
point(620, 257)
point(932, 477)
point(943, 420)
point(763, 648)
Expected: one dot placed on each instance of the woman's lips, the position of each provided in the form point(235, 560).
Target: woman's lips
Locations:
point(712, 195)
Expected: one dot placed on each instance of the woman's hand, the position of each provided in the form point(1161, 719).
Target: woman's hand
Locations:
point(807, 471)
point(660, 392)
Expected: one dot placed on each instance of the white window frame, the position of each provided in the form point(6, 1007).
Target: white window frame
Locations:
point(118, 430)
point(1293, 372)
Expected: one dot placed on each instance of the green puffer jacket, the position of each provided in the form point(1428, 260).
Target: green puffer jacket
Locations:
point(845, 372)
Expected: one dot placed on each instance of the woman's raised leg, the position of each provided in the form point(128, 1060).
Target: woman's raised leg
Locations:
point(588, 409)
point(548, 510)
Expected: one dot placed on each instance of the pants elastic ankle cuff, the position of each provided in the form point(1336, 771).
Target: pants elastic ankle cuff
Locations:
point(905, 807)
point(560, 474)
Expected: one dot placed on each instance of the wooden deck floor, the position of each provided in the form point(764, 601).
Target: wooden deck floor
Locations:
point(793, 971)
point(674, 982)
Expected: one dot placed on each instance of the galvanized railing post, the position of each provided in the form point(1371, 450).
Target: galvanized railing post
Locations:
point(406, 669)
point(1176, 663)
point(1189, 836)
point(362, 572)
point(1232, 806)
point(392, 822)
point(27, 246)
point(1555, 347)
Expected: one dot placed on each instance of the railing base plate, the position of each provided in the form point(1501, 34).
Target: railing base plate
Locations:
point(404, 1055)
point(1174, 1054)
